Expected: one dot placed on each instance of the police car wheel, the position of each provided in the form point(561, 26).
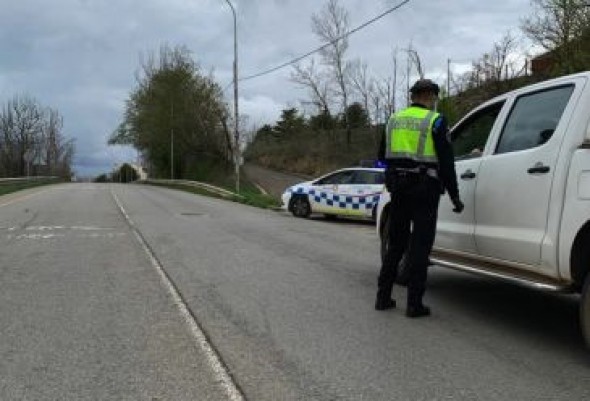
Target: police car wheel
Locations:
point(300, 206)
point(330, 216)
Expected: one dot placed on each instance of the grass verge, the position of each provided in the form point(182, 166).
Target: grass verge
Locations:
point(249, 195)
point(14, 187)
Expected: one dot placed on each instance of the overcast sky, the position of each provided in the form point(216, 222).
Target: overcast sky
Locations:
point(80, 56)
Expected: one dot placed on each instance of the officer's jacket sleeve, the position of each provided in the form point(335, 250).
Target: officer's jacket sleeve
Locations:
point(383, 144)
point(446, 157)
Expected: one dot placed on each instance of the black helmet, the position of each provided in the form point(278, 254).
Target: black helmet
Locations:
point(425, 85)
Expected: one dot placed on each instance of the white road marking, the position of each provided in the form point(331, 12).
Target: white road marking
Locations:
point(219, 369)
point(261, 189)
point(42, 235)
point(45, 228)
point(89, 228)
point(99, 235)
point(49, 232)
point(35, 236)
point(74, 228)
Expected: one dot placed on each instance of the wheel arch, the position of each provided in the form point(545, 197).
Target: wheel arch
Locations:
point(580, 256)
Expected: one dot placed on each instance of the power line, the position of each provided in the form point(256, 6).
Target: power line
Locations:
point(299, 58)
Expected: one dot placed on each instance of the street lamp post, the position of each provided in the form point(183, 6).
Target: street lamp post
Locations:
point(172, 140)
point(237, 150)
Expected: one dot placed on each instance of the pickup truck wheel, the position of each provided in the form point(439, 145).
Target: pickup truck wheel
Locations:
point(585, 310)
point(300, 207)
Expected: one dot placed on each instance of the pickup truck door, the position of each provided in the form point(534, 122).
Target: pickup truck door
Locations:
point(514, 183)
point(469, 137)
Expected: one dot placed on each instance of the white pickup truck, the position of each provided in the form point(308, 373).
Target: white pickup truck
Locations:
point(523, 168)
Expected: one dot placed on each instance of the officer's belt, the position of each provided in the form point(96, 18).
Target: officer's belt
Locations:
point(429, 171)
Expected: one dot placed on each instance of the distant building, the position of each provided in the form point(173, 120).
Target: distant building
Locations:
point(543, 64)
point(141, 172)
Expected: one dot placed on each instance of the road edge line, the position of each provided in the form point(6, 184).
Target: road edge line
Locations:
point(220, 369)
point(260, 188)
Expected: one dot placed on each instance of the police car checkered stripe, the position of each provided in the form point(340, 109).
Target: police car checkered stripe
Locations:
point(352, 202)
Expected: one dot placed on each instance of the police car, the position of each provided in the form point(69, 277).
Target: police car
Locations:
point(352, 192)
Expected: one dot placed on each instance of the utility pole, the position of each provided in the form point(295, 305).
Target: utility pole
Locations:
point(408, 78)
point(449, 77)
point(394, 81)
point(172, 140)
point(237, 149)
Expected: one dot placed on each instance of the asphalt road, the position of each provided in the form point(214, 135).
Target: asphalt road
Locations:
point(286, 303)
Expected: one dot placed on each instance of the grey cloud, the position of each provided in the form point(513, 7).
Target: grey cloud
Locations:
point(81, 56)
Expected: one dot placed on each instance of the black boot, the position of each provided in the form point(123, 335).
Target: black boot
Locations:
point(384, 303)
point(415, 307)
point(417, 311)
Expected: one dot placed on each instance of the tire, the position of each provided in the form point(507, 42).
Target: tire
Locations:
point(330, 217)
point(300, 207)
point(585, 310)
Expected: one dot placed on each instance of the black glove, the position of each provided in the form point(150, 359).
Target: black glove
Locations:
point(459, 206)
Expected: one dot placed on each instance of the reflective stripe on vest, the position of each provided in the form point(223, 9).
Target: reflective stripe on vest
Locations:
point(410, 135)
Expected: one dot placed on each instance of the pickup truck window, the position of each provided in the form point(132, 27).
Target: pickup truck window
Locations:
point(470, 137)
point(533, 119)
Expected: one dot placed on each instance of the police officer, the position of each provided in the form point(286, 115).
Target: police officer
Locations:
point(420, 166)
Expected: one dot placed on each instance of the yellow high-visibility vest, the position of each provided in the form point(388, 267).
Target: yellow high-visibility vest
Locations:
point(410, 135)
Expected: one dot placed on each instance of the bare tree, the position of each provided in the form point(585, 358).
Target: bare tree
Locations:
point(28, 125)
point(318, 85)
point(383, 93)
point(362, 83)
point(50, 139)
point(330, 25)
point(496, 67)
point(31, 140)
point(416, 61)
point(413, 61)
point(382, 98)
point(557, 26)
point(498, 64)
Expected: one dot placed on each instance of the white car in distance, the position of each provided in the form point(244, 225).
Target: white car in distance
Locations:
point(351, 192)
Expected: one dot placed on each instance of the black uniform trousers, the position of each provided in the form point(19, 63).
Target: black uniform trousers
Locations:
point(412, 227)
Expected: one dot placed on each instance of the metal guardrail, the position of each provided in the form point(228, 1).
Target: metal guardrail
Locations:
point(208, 187)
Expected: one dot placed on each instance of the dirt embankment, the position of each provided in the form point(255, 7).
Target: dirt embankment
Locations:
point(273, 182)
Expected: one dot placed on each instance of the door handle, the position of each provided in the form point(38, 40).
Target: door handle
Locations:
point(539, 168)
point(468, 175)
